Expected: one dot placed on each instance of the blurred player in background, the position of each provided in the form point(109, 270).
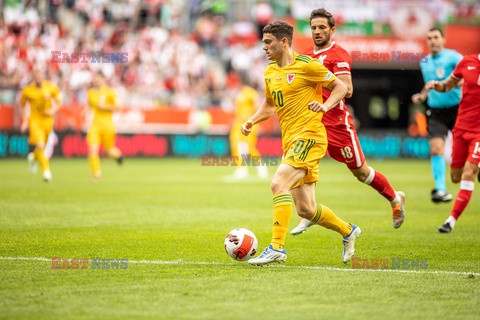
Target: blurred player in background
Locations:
point(103, 101)
point(246, 102)
point(343, 144)
point(442, 107)
point(466, 133)
point(44, 99)
point(291, 91)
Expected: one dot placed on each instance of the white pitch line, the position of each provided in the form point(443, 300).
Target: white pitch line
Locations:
point(198, 263)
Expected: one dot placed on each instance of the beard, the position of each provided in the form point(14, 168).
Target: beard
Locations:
point(323, 42)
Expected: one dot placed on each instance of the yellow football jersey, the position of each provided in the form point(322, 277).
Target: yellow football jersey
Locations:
point(245, 103)
point(291, 88)
point(109, 97)
point(39, 98)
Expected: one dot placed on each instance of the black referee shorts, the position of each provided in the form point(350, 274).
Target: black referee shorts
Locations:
point(441, 120)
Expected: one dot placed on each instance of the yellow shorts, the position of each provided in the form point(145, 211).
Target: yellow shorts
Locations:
point(104, 136)
point(39, 131)
point(306, 154)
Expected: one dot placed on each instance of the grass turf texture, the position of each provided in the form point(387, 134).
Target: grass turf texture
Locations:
point(171, 209)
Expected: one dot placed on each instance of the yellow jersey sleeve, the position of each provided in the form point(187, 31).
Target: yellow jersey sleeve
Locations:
point(318, 73)
point(55, 93)
point(23, 98)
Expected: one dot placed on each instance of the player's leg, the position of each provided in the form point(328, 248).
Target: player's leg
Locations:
point(439, 169)
point(438, 130)
point(465, 176)
point(467, 184)
point(310, 210)
point(285, 177)
point(379, 182)
point(32, 160)
point(52, 141)
point(34, 136)
point(93, 141)
point(38, 136)
point(110, 148)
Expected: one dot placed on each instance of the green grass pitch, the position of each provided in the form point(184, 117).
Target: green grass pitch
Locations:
point(169, 217)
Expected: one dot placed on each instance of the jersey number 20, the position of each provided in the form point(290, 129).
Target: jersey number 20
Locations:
point(278, 98)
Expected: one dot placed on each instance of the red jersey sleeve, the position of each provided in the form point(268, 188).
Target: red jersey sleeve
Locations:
point(340, 63)
point(458, 71)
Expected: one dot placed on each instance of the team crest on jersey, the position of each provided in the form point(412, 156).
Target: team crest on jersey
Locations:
point(440, 72)
point(290, 77)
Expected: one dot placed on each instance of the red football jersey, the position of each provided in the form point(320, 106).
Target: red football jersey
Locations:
point(338, 61)
point(468, 117)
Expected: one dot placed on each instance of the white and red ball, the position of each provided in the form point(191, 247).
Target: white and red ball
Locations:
point(241, 244)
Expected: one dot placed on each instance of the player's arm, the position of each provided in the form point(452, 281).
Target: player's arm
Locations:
point(266, 110)
point(108, 104)
point(338, 91)
point(421, 96)
point(56, 99)
point(443, 86)
point(23, 112)
point(347, 79)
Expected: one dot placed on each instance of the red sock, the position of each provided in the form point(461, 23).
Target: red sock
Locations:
point(380, 183)
point(461, 201)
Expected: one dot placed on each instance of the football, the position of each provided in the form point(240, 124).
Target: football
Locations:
point(241, 244)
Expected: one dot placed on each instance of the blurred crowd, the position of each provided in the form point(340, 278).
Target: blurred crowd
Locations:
point(173, 59)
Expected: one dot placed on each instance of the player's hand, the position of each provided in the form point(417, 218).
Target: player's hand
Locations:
point(432, 85)
point(418, 98)
point(316, 106)
point(247, 127)
point(50, 112)
point(24, 126)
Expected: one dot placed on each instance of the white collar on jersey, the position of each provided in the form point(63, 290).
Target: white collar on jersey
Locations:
point(323, 50)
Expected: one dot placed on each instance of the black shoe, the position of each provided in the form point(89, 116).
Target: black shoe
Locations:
point(441, 196)
point(119, 160)
point(478, 177)
point(445, 228)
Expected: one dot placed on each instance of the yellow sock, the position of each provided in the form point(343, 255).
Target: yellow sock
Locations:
point(325, 217)
point(282, 213)
point(42, 159)
point(94, 162)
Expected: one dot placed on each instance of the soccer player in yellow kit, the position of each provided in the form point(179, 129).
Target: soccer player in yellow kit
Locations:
point(291, 82)
point(240, 145)
point(44, 98)
point(103, 101)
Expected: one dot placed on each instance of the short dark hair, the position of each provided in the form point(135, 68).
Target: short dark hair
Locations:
point(437, 29)
point(280, 29)
point(322, 13)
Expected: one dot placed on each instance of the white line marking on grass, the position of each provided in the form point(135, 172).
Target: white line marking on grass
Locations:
point(201, 263)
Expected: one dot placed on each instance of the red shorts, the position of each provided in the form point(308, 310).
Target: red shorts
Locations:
point(466, 147)
point(343, 144)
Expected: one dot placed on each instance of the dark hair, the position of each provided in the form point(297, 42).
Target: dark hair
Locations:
point(280, 29)
point(322, 13)
point(437, 29)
